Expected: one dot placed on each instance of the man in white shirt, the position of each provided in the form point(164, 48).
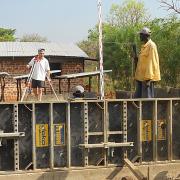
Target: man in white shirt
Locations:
point(40, 69)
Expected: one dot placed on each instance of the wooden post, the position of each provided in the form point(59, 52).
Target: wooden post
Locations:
point(90, 78)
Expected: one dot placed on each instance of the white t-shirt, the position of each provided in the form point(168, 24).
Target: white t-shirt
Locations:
point(40, 68)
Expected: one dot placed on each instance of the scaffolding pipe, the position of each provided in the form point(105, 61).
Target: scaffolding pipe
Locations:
point(101, 51)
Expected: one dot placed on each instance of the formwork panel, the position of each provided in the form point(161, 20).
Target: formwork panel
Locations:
point(115, 116)
point(147, 131)
point(176, 130)
point(132, 129)
point(42, 118)
point(115, 154)
point(88, 122)
point(60, 134)
point(96, 157)
point(95, 116)
point(77, 133)
point(7, 145)
point(162, 130)
point(115, 119)
point(95, 124)
point(25, 143)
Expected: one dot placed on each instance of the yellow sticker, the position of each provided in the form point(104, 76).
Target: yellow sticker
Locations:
point(42, 135)
point(146, 134)
point(161, 130)
point(59, 134)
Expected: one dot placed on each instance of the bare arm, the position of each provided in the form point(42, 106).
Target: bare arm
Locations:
point(48, 75)
point(28, 66)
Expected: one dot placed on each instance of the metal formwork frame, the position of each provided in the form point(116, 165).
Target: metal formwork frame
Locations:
point(125, 126)
point(170, 107)
point(51, 136)
point(86, 134)
point(68, 129)
point(33, 136)
point(139, 130)
point(105, 127)
point(155, 131)
point(105, 133)
point(16, 141)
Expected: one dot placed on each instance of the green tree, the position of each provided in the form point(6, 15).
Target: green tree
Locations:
point(33, 38)
point(130, 13)
point(7, 34)
point(166, 33)
point(118, 40)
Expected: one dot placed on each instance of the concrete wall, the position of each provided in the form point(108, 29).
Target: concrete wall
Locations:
point(152, 172)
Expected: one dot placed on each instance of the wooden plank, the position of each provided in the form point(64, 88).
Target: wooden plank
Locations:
point(106, 145)
point(25, 76)
point(134, 170)
point(84, 74)
point(95, 133)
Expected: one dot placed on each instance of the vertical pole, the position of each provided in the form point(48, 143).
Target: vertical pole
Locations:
point(68, 126)
point(155, 131)
point(139, 130)
point(59, 86)
point(101, 50)
point(34, 136)
point(86, 129)
point(170, 114)
point(16, 141)
point(17, 90)
point(106, 128)
point(69, 81)
point(51, 137)
point(20, 88)
point(90, 78)
point(125, 125)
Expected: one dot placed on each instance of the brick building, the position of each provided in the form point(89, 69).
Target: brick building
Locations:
point(14, 57)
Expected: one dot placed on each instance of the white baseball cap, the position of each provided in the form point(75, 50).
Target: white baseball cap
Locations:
point(79, 88)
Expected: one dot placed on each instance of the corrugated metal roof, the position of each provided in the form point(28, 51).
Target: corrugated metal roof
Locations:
point(20, 49)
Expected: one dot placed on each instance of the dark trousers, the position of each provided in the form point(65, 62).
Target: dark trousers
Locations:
point(144, 91)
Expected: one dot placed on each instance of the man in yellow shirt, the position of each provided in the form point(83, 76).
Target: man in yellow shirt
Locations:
point(147, 70)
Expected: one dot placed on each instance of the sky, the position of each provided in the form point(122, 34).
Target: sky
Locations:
point(59, 20)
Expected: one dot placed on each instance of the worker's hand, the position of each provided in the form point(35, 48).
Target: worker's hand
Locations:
point(28, 66)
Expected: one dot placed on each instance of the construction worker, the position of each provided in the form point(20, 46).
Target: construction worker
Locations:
point(147, 70)
point(40, 69)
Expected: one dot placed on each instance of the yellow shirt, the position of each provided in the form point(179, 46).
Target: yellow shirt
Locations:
point(148, 63)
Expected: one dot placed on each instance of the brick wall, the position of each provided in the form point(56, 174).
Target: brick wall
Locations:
point(18, 67)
